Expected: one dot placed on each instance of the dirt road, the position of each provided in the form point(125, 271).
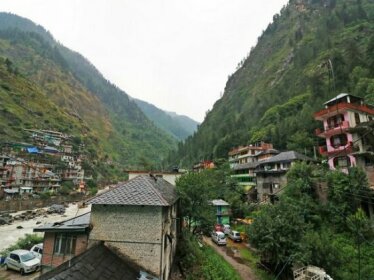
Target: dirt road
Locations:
point(234, 259)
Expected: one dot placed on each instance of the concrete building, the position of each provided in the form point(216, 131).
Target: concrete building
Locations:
point(64, 240)
point(139, 219)
point(271, 173)
point(222, 211)
point(243, 162)
point(344, 145)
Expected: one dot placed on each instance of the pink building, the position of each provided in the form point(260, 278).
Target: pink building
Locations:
point(345, 148)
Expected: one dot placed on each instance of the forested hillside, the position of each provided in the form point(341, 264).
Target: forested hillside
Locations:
point(288, 76)
point(178, 126)
point(116, 127)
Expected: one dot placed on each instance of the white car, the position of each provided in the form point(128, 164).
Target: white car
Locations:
point(23, 261)
point(219, 237)
point(37, 250)
point(226, 228)
point(235, 236)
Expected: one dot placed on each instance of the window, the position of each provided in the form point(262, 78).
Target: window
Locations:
point(14, 257)
point(339, 140)
point(64, 244)
point(335, 121)
point(357, 118)
point(342, 162)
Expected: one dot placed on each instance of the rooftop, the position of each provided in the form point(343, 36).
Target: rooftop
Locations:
point(141, 190)
point(98, 262)
point(76, 224)
point(219, 202)
point(286, 156)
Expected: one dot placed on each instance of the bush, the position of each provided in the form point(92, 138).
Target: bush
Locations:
point(203, 263)
point(23, 243)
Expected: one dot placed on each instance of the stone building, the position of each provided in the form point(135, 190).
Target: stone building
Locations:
point(139, 220)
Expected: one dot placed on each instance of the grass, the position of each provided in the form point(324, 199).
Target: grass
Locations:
point(251, 259)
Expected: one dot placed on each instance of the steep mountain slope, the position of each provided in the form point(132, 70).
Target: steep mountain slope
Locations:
point(287, 76)
point(178, 126)
point(118, 127)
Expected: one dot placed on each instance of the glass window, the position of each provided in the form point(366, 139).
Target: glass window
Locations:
point(27, 257)
point(64, 244)
point(339, 140)
point(357, 118)
point(342, 162)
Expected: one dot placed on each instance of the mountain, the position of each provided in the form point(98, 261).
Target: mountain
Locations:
point(105, 117)
point(287, 76)
point(178, 126)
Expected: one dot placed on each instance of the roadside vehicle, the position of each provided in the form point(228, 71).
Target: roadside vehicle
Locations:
point(23, 261)
point(37, 250)
point(226, 228)
point(235, 236)
point(219, 227)
point(219, 237)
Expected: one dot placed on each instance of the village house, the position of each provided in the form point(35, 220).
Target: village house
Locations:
point(243, 161)
point(271, 173)
point(171, 177)
point(346, 145)
point(64, 240)
point(139, 220)
point(205, 164)
point(222, 211)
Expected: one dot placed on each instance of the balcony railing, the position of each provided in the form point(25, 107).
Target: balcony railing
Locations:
point(341, 150)
point(332, 129)
point(223, 212)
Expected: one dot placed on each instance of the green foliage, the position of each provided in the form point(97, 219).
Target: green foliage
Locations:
point(203, 263)
point(23, 243)
point(78, 100)
point(300, 229)
point(180, 127)
point(196, 189)
point(285, 79)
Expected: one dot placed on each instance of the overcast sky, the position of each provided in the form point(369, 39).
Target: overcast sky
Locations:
point(175, 54)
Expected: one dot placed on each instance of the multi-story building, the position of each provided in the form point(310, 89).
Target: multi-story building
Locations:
point(139, 219)
point(271, 173)
point(244, 160)
point(222, 211)
point(346, 147)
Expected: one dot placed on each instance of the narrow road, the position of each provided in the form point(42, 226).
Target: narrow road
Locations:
point(244, 270)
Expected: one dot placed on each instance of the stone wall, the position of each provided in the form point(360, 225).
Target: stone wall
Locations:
point(136, 231)
point(32, 203)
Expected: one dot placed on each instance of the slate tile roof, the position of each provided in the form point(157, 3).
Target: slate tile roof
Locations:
point(285, 157)
point(97, 263)
point(141, 190)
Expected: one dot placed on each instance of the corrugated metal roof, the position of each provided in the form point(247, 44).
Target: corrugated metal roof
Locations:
point(219, 202)
point(141, 190)
point(79, 223)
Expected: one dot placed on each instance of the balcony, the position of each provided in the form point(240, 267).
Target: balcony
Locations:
point(332, 130)
point(323, 150)
point(341, 150)
point(223, 212)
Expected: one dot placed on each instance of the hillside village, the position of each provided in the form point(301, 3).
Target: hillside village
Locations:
point(114, 227)
point(43, 167)
point(276, 183)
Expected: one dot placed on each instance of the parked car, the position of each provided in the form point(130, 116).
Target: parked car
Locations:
point(219, 237)
point(235, 236)
point(37, 250)
point(23, 261)
point(226, 229)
